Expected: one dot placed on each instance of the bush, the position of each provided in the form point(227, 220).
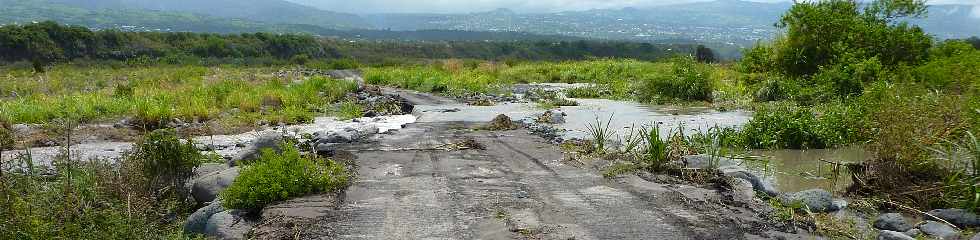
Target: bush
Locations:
point(277, 177)
point(786, 126)
point(137, 199)
point(688, 80)
point(166, 162)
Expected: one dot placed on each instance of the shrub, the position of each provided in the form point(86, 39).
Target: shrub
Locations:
point(277, 177)
point(786, 126)
point(687, 80)
point(166, 161)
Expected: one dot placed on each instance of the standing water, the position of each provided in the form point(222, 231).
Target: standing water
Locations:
point(788, 170)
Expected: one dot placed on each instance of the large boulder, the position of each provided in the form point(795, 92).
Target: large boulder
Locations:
point(206, 188)
point(229, 224)
point(939, 230)
point(892, 221)
point(252, 151)
point(816, 200)
point(198, 221)
point(326, 142)
point(959, 217)
point(893, 235)
point(758, 184)
point(707, 161)
point(208, 168)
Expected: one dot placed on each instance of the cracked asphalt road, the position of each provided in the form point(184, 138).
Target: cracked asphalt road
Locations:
point(517, 187)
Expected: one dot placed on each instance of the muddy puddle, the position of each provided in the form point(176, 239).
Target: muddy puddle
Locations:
point(797, 170)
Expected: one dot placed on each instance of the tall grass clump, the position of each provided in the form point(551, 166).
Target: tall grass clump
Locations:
point(655, 152)
point(601, 134)
point(276, 177)
point(962, 157)
point(686, 80)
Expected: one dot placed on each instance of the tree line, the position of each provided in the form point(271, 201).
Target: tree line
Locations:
point(48, 42)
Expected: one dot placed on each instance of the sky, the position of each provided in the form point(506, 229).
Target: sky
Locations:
point(463, 6)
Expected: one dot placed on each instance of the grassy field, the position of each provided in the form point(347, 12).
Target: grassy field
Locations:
point(156, 95)
point(675, 80)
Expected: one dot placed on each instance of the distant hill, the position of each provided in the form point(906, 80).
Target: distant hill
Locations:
point(27, 11)
point(270, 11)
point(724, 21)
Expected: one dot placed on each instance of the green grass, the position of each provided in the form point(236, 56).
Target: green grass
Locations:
point(620, 79)
point(350, 110)
point(153, 96)
point(281, 176)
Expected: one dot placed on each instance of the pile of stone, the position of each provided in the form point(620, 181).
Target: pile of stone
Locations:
point(944, 224)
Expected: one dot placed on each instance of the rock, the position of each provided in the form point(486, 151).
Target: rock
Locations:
point(24, 129)
point(743, 190)
point(296, 218)
point(758, 184)
point(229, 224)
point(209, 168)
point(552, 117)
point(198, 221)
point(206, 188)
point(939, 230)
point(915, 232)
point(840, 204)
point(327, 148)
point(252, 151)
point(893, 235)
point(817, 200)
point(959, 217)
point(976, 237)
point(893, 222)
point(346, 135)
point(707, 161)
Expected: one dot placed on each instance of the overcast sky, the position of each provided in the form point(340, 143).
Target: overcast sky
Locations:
point(458, 6)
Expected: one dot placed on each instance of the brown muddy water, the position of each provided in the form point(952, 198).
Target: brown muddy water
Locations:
point(797, 170)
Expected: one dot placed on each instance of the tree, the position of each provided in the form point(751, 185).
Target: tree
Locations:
point(975, 41)
point(704, 54)
point(824, 33)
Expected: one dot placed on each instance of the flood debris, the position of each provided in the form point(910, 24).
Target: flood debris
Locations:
point(501, 123)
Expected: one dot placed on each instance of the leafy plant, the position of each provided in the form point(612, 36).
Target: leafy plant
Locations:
point(277, 177)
